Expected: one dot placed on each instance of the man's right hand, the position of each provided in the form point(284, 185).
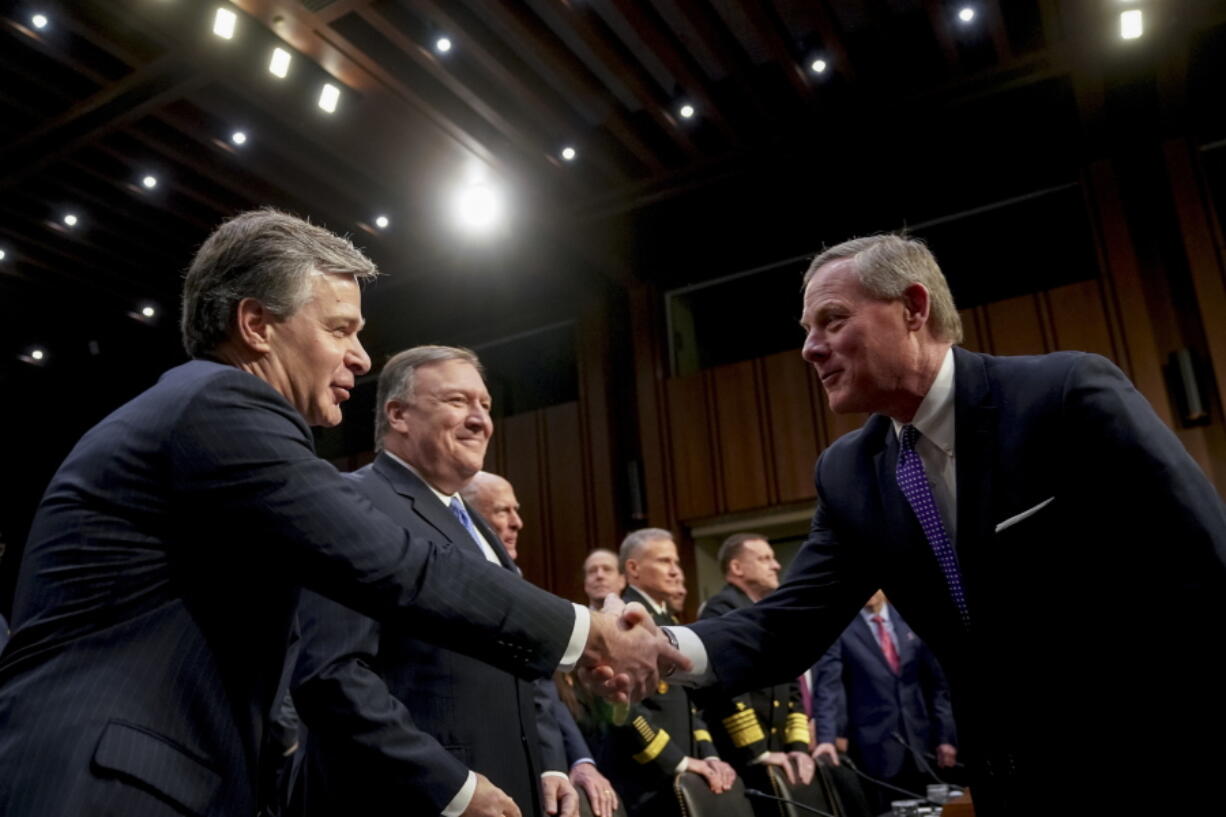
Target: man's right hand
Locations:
point(490, 801)
point(827, 751)
point(781, 760)
point(626, 655)
point(711, 775)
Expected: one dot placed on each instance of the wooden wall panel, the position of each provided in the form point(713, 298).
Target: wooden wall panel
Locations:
point(972, 338)
point(521, 444)
point(568, 506)
point(739, 437)
point(1016, 326)
point(792, 424)
point(1079, 319)
point(690, 445)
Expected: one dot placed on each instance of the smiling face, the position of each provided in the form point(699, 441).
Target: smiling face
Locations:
point(314, 355)
point(444, 427)
point(862, 347)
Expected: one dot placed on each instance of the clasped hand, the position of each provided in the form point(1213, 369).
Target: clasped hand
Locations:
point(626, 653)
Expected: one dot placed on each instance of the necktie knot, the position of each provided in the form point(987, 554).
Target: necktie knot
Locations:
point(908, 437)
point(457, 508)
point(878, 620)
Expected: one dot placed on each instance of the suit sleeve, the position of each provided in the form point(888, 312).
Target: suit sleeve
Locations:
point(652, 748)
point(553, 748)
point(704, 746)
point(796, 729)
point(828, 694)
point(339, 693)
point(243, 460)
point(573, 742)
point(936, 696)
point(733, 716)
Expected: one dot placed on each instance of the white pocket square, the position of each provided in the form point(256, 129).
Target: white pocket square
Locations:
point(1013, 520)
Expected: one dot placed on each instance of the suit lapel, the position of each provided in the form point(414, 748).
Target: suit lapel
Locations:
point(975, 436)
point(906, 647)
point(422, 500)
point(865, 631)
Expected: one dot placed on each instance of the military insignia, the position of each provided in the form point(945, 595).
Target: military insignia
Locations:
point(662, 689)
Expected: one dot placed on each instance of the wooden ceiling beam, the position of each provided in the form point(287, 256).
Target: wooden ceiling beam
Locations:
point(727, 49)
point(938, 20)
point(828, 29)
point(769, 28)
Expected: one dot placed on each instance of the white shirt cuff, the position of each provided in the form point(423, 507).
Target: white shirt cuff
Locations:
point(578, 639)
point(555, 774)
point(760, 759)
point(581, 761)
point(681, 766)
point(463, 797)
point(691, 647)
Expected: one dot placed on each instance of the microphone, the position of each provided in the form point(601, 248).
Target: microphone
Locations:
point(913, 795)
point(918, 756)
point(764, 796)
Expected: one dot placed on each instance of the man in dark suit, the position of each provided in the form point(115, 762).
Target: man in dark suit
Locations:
point(663, 736)
point(157, 591)
point(990, 497)
point(896, 700)
point(396, 723)
point(767, 726)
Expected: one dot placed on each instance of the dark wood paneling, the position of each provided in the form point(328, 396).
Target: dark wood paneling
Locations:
point(1079, 317)
point(522, 444)
point(690, 443)
point(1016, 326)
point(739, 424)
point(793, 424)
point(568, 512)
point(972, 338)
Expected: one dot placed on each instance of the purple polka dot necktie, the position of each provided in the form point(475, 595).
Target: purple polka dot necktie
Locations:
point(914, 486)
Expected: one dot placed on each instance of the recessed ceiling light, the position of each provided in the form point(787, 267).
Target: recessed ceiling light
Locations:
point(224, 23)
point(966, 14)
point(1132, 25)
point(238, 137)
point(148, 311)
point(40, 21)
point(381, 222)
point(687, 111)
point(329, 95)
point(278, 66)
point(568, 153)
point(149, 182)
point(818, 66)
point(478, 207)
point(2, 255)
point(70, 219)
point(37, 354)
point(442, 45)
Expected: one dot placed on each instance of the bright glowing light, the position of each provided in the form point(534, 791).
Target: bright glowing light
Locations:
point(687, 111)
point(37, 354)
point(40, 21)
point(442, 45)
point(966, 14)
point(568, 153)
point(224, 23)
point(238, 137)
point(1131, 24)
point(478, 207)
point(818, 66)
point(2, 254)
point(329, 96)
point(149, 182)
point(278, 66)
point(70, 219)
point(148, 311)
point(381, 222)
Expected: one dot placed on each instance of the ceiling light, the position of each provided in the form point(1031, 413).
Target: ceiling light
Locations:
point(224, 22)
point(1131, 24)
point(278, 66)
point(966, 14)
point(2, 255)
point(148, 311)
point(329, 95)
point(818, 66)
point(238, 137)
point(37, 354)
point(687, 111)
point(442, 45)
point(149, 182)
point(70, 219)
point(381, 222)
point(478, 207)
point(39, 20)
point(568, 153)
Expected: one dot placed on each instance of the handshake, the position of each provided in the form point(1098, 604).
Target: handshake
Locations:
point(626, 653)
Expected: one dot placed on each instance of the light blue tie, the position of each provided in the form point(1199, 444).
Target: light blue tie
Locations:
point(457, 508)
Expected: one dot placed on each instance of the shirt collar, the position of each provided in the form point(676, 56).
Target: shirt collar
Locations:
point(935, 417)
point(885, 614)
point(442, 497)
point(659, 609)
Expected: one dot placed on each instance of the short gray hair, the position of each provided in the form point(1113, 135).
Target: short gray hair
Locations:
point(635, 541)
point(396, 379)
point(262, 254)
point(887, 264)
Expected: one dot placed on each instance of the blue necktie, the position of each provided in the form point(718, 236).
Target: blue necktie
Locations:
point(457, 508)
point(914, 486)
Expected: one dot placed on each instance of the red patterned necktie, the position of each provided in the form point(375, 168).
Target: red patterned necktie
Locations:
point(887, 645)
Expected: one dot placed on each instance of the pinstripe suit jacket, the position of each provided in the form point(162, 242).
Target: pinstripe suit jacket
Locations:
point(158, 589)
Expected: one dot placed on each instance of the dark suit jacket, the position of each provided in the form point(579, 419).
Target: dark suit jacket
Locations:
point(1041, 691)
point(395, 722)
point(157, 591)
point(562, 744)
point(769, 719)
point(912, 705)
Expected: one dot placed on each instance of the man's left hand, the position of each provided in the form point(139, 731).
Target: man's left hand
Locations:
point(804, 766)
point(947, 756)
point(599, 790)
point(726, 774)
point(559, 796)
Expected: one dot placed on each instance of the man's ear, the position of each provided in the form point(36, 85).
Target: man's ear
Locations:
point(394, 411)
point(916, 305)
point(254, 323)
